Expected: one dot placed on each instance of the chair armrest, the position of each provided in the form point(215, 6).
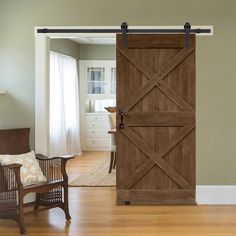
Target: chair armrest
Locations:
point(42, 157)
point(54, 168)
point(12, 166)
point(10, 177)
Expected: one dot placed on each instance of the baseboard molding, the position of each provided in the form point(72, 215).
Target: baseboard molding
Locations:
point(216, 194)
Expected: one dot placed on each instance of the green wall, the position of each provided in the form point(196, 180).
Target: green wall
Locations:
point(216, 63)
point(65, 46)
point(97, 52)
point(83, 51)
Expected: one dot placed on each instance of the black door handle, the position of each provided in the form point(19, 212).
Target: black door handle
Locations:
point(121, 113)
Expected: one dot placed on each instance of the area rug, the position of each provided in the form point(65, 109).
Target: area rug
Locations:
point(96, 176)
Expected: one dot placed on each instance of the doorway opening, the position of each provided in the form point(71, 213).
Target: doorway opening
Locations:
point(83, 82)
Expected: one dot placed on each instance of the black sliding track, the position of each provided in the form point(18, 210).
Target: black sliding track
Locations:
point(124, 30)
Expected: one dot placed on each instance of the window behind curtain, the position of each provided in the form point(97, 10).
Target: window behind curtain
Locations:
point(64, 106)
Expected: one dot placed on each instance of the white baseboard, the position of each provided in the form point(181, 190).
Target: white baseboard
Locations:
point(216, 194)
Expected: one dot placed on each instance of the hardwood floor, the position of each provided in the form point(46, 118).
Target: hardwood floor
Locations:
point(94, 213)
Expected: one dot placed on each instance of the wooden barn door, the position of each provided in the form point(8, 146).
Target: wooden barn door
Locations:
point(156, 99)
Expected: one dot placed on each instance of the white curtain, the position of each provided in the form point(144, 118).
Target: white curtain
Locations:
point(64, 122)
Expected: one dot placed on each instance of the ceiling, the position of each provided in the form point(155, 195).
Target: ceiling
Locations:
point(111, 40)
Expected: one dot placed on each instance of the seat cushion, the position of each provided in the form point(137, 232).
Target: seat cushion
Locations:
point(30, 171)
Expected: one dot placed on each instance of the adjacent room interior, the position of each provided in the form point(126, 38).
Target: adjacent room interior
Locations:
point(92, 98)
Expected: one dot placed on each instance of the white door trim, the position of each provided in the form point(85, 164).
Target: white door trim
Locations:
point(42, 49)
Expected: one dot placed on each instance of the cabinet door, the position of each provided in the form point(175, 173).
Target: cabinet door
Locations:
point(96, 80)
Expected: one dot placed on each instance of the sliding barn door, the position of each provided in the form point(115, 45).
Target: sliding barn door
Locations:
point(156, 100)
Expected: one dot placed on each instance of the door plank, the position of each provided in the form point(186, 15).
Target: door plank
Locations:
point(159, 118)
point(138, 174)
point(172, 95)
point(180, 135)
point(170, 197)
point(166, 41)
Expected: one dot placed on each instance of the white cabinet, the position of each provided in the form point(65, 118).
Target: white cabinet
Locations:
point(95, 135)
point(97, 90)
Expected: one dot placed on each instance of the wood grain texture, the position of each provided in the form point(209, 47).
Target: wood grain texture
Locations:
point(156, 149)
point(14, 141)
point(175, 197)
point(162, 41)
point(95, 213)
point(167, 118)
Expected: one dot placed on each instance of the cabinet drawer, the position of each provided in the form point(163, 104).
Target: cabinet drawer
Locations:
point(94, 118)
point(103, 125)
point(98, 133)
point(97, 142)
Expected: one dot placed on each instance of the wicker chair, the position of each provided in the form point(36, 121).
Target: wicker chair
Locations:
point(49, 194)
